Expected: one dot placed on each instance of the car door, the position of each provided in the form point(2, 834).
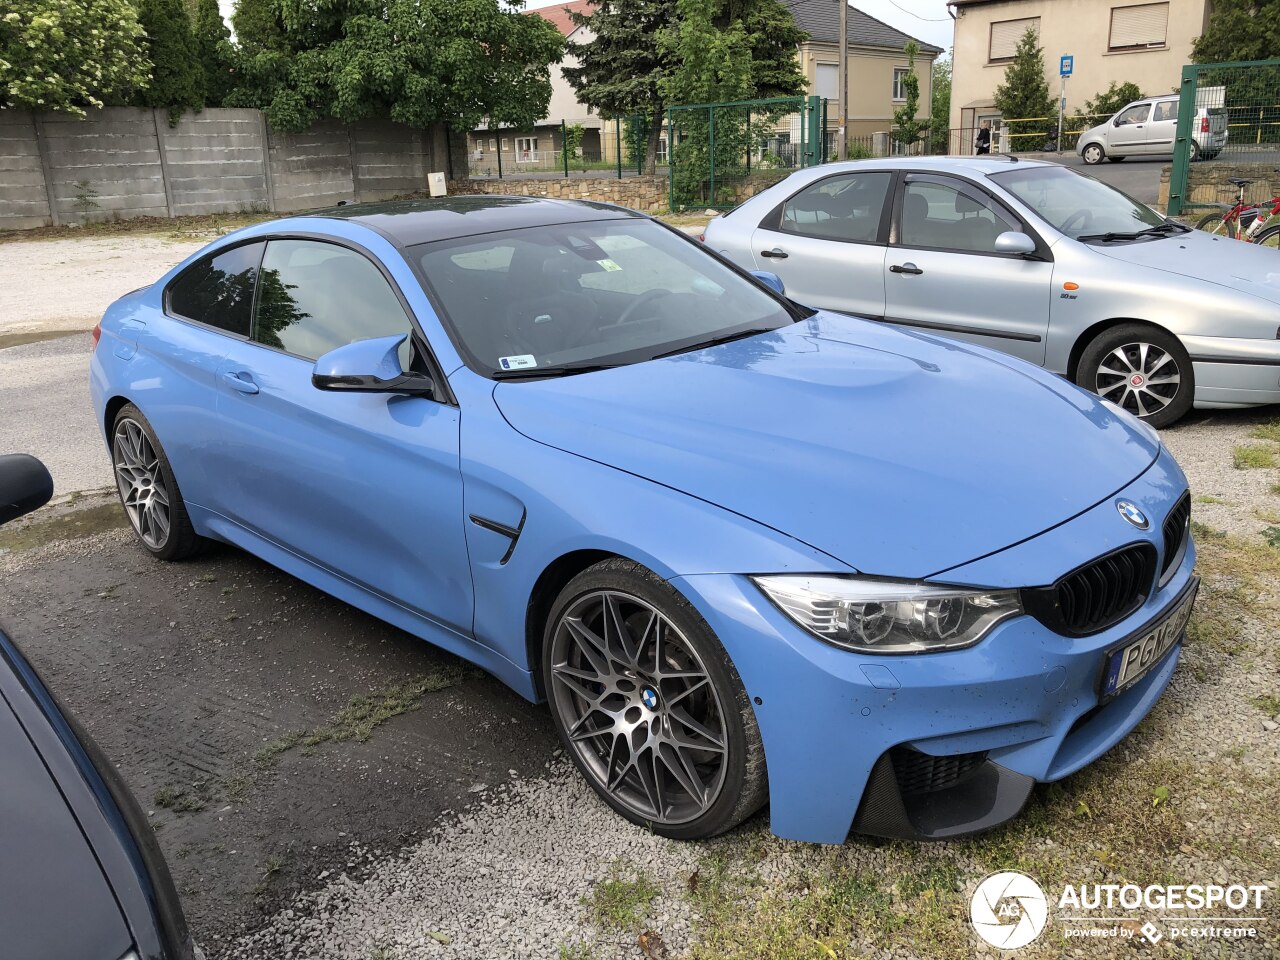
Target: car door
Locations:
point(943, 272)
point(366, 485)
point(1128, 135)
point(1162, 128)
point(207, 309)
point(826, 242)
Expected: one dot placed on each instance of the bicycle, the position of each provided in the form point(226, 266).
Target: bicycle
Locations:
point(1243, 214)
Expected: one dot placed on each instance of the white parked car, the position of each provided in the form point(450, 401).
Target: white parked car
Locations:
point(1148, 128)
point(1030, 258)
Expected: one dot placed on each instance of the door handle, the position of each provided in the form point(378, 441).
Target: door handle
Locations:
point(238, 382)
point(775, 253)
point(907, 268)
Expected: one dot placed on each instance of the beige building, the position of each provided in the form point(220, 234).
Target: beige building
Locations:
point(877, 64)
point(1109, 40)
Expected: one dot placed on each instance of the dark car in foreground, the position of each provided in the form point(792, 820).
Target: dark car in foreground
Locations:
point(81, 875)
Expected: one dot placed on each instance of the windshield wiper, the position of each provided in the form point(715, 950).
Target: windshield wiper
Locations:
point(713, 342)
point(563, 370)
point(1159, 230)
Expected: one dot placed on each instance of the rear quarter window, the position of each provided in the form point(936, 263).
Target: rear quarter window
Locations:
point(218, 290)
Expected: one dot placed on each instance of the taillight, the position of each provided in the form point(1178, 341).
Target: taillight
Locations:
point(702, 238)
point(1204, 124)
point(97, 334)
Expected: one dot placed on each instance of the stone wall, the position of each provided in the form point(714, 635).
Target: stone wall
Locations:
point(1208, 184)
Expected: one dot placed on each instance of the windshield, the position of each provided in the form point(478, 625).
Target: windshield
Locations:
point(1077, 205)
point(555, 299)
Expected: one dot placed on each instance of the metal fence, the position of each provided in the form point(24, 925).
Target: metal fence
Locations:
point(595, 148)
point(1227, 110)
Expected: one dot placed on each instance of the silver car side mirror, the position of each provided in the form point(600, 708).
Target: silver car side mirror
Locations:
point(1011, 241)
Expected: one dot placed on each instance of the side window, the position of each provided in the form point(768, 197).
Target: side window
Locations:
point(950, 216)
point(1136, 114)
point(317, 296)
point(1168, 110)
point(218, 290)
point(839, 208)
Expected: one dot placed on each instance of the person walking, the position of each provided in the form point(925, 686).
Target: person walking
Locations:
point(983, 143)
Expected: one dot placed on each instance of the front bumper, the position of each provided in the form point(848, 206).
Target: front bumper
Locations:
point(843, 731)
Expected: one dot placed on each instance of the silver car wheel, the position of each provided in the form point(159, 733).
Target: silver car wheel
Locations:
point(141, 483)
point(638, 707)
point(1092, 154)
point(1140, 377)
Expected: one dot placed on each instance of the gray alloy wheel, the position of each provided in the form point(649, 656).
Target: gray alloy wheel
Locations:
point(1140, 377)
point(639, 707)
point(141, 482)
point(1093, 154)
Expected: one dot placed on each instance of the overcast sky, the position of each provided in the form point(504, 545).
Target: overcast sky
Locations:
point(926, 19)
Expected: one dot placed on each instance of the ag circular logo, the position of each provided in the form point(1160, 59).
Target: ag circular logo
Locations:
point(1130, 512)
point(1008, 910)
point(649, 697)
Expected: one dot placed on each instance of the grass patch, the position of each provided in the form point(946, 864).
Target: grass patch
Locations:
point(65, 526)
point(358, 719)
point(621, 903)
point(1267, 431)
point(1252, 457)
point(1206, 498)
point(1268, 704)
point(182, 800)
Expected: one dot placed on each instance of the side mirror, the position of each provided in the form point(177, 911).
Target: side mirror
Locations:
point(369, 366)
point(1011, 241)
point(25, 485)
point(771, 280)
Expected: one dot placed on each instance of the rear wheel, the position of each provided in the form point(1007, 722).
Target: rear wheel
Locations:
point(1141, 368)
point(148, 489)
point(649, 706)
point(1093, 154)
point(1217, 224)
point(1195, 151)
point(1268, 237)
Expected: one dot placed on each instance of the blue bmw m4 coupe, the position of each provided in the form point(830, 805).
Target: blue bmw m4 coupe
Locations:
point(748, 552)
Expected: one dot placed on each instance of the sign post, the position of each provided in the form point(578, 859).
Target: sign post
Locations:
point(1065, 66)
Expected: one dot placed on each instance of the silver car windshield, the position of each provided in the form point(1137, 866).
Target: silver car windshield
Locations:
point(566, 298)
point(1079, 206)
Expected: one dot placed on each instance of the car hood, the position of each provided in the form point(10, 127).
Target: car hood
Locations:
point(1222, 261)
point(898, 453)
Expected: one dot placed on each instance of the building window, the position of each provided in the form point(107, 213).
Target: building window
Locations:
point(505, 145)
point(493, 146)
point(1139, 27)
point(899, 88)
point(1005, 35)
point(526, 149)
point(826, 80)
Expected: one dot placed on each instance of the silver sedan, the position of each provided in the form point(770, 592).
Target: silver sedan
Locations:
point(1030, 258)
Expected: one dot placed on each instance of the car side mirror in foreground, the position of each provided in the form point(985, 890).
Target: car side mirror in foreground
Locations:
point(25, 485)
point(771, 280)
point(1011, 241)
point(369, 366)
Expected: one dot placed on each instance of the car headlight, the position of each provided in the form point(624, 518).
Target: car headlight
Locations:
point(886, 616)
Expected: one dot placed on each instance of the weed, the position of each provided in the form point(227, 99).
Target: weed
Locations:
point(181, 800)
point(1267, 431)
point(1268, 703)
point(1206, 498)
point(1271, 534)
point(621, 903)
point(1252, 457)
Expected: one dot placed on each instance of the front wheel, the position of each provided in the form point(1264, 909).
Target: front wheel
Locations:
point(1093, 154)
point(1218, 225)
point(1268, 237)
point(649, 706)
point(1141, 368)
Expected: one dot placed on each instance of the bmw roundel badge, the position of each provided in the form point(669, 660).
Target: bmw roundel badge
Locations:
point(1130, 512)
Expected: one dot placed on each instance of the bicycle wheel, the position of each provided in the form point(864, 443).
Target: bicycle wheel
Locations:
point(1218, 224)
point(1268, 237)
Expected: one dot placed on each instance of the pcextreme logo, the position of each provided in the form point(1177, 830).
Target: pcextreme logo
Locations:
point(1010, 910)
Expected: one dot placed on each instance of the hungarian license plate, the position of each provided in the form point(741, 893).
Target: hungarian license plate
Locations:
point(1127, 665)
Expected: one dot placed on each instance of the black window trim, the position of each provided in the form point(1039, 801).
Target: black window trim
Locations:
point(946, 178)
point(773, 219)
point(443, 394)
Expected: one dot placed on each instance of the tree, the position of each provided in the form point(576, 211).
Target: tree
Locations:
point(1239, 30)
point(1024, 97)
point(416, 62)
point(907, 126)
point(215, 52)
point(177, 78)
point(66, 55)
point(637, 61)
point(1111, 100)
point(940, 108)
point(259, 27)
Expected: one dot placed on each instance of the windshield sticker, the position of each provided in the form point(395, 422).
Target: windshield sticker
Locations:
point(609, 265)
point(522, 362)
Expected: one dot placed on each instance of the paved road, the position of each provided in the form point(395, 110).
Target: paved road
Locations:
point(1140, 178)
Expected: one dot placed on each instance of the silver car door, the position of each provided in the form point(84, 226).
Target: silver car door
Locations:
point(943, 273)
point(1162, 127)
point(1128, 134)
point(826, 242)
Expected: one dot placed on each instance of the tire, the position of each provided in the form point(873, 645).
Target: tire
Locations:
point(1195, 151)
point(1268, 237)
point(1093, 154)
point(1215, 224)
point(1114, 357)
point(148, 491)
point(1116, 159)
point(608, 681)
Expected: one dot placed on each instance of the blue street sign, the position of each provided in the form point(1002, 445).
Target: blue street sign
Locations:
point(1065, 65)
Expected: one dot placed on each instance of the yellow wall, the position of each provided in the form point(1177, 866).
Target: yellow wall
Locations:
point(1080, 28)
point(871, 102)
